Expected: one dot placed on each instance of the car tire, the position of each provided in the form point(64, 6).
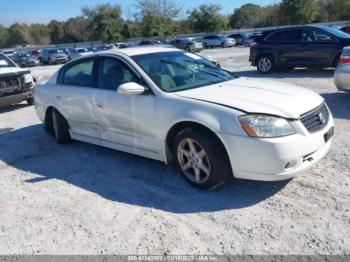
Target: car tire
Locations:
point(187, 49)
point(30, 101)
point(60, 128)
point(265, 64)
point(205, 46)
point(224, 45)
point(205, 166)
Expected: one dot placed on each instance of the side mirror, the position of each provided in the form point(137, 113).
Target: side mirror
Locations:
point(131, 89)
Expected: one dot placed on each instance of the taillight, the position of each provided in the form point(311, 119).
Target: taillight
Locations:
point(344, 59)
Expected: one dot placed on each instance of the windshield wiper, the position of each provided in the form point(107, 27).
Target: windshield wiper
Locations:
point(216, 70)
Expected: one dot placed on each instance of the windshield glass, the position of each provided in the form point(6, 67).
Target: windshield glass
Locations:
point(335, 32)
point(55, 51)
point(175, 71)
point(5, 62)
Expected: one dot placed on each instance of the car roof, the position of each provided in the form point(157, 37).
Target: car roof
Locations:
point(132, 51)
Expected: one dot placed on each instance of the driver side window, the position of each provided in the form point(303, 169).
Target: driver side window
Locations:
point(113, 73)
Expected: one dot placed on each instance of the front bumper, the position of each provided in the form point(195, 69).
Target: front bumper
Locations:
point(17, 98)
point(276, 158)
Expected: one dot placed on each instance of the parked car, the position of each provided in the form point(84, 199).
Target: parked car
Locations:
point(169, 105)
point(16, 84)
point(53, 56)
point(346, 29)
point(239, 38)
point(211, 41)
point(342, 72)
point(9, 53)
point(189, 44)
point(305, 46)
point(78, 52)
point(26, 59)
point(150, 42)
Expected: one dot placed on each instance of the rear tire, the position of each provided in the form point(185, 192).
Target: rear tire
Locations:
point(188, 49)
point(265, 64)
point(201, 158)
point(205, 46)
point(60, 128)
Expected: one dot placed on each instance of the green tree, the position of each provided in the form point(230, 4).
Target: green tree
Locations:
point(104, 22)
point(207, 18)
point(40, 34)
point(156, 17)
point(18, 34)
point(299, 11)
point(339, 9)
point(3, 36)
point(247, 16)
point(76, 29)
point(56, 29)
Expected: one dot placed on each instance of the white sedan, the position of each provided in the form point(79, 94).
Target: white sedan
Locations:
point(173, 106)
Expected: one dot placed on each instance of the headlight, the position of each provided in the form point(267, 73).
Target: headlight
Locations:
point(266, 126)
point(27, 78)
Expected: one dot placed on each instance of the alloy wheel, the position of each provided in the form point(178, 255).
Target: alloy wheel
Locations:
point(265, 64)
point(193, 160)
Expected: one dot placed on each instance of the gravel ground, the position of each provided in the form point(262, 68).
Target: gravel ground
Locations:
point(84, 199)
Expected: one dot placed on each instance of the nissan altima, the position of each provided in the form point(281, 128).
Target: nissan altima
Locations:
point(177, 107)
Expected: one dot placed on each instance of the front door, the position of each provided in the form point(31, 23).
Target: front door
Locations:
point(127, 121)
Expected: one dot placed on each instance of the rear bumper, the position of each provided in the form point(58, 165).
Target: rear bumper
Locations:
point(342, 78)
point(276, 158)
point(15, 99)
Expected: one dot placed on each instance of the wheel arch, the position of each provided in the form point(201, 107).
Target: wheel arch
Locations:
point(178, 127)
point(48, 118)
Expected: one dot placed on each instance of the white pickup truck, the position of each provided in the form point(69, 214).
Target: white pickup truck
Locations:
point(16, 84)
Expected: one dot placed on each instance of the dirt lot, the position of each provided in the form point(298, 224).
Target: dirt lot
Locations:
point(84, 199)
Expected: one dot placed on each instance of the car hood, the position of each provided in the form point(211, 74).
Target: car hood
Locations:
point(8, 71)
point(258, 96)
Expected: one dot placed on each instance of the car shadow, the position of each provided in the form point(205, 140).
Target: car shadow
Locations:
point(122, 177)
point(296, 73)
point(14, 107)
point(339, 104)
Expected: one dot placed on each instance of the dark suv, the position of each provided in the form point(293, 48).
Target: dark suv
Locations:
point(304, 46)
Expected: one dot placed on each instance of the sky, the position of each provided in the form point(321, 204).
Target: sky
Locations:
point(43, 11)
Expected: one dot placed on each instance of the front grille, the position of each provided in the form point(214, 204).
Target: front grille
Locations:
point(316, 119)
point(10, 85)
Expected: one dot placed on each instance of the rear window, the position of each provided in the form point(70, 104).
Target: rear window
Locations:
point(285, 36)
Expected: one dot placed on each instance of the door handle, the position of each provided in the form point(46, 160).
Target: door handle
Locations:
point(99, 105)
point(58, 97)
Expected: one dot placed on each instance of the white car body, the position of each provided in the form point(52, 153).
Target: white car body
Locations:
point(140, 124)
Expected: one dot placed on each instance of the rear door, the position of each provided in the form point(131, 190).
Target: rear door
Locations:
point(319, 47)
point(74, 94)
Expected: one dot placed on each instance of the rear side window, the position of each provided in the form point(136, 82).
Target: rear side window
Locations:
point(79, 74)
point(285, 36)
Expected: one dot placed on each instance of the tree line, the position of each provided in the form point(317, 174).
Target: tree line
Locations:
point(164, 18)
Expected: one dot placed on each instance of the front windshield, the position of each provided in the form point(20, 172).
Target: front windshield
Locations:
point(5, 62)
point(336, 32)
point(176, 71)
point(55, 51)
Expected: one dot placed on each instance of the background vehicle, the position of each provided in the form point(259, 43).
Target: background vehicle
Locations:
point(150, 42)
point(211, 41)
point(166, 104)
point(53, 56)
point(342, 72)
point(239, 38)
point(189, 45)
point(9, 53)
point(78, 52)
point(16, 84)
point(346, 29)
point(305, 46)
point(26, 59)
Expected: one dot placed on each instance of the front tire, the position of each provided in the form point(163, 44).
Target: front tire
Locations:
point(30, 101)
point(201, 158)
point(265, 64)
point(60, 128)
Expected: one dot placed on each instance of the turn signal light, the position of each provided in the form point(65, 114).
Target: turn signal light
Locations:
point(344, 59)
